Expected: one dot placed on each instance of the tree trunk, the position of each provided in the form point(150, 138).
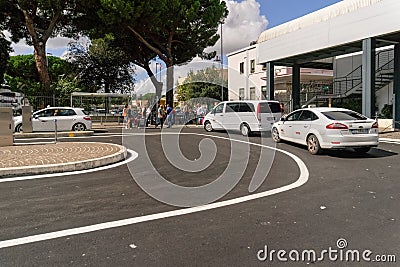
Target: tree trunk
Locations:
point(157, 84)
point(41, 65)
point(170, 86)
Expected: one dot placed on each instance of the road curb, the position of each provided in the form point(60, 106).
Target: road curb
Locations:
point(67, 167)
point(51, 134)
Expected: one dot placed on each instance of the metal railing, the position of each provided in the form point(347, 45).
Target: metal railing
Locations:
point(352, 82)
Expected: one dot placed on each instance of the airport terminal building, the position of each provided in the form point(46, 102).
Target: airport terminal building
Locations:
point(345, 52)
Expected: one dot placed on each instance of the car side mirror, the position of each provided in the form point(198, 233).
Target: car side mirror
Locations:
point(35, 116)
point(283, 119)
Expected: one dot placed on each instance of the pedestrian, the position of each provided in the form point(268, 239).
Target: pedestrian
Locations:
point(169, 116)
point(160, 116)
point(129, 115)
point(124, 114)
point(185, 110)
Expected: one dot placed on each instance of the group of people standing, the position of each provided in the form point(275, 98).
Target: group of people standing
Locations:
point(135, 117)
point(138, 117)
point(165, 113)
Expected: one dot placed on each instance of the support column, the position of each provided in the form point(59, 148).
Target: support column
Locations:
point(270, 81)
point(396, 88)
point(296, 86)
point(368, 77)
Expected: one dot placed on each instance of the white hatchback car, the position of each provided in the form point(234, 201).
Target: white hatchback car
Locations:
point(327, 128)
point(75, 119)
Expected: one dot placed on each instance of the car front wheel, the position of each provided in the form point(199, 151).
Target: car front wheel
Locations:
point(245, 130)
point(208, 127)
point(79, 127)
point(313, 145)
point(275, 135)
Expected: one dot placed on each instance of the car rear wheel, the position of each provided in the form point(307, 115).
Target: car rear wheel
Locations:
point(313, 145)
point(78, 127)
point(245, 130)
point(275, 135)
point(208, 127)
point(362, 149)
point(18, 128)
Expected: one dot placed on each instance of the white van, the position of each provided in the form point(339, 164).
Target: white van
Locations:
point(244, 116)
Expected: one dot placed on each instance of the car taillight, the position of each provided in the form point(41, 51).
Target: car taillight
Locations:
point(87, 118)
point(375, 125)
point(259, 112)
point(337, 126)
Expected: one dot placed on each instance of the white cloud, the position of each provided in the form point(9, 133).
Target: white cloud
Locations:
point(243, 25)
point(56, 46)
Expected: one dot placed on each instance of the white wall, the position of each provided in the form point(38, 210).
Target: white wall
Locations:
point(247, 79)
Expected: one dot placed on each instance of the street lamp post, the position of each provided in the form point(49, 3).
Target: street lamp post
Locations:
point(222, 63)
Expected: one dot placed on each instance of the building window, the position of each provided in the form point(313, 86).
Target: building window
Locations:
point(241, 93)
point(241, 67)
point(252, 93)
point(252, 66)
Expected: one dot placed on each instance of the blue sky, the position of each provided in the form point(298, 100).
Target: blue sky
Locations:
point(281, 11)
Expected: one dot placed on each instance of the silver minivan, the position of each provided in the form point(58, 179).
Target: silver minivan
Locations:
point(244, 116)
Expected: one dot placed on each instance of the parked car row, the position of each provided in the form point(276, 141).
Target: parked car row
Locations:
point(67, 119)
point(316, 128)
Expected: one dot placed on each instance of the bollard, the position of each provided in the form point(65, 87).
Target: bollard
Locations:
point(55, 131)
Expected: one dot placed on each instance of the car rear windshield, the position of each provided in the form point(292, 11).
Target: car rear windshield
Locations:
point(343, 115)
point(272, 107)
point(85, 112)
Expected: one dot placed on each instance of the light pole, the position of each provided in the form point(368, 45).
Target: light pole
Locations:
point(222, 63)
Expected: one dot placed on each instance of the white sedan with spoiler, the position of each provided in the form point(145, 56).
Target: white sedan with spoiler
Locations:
point(327, 128)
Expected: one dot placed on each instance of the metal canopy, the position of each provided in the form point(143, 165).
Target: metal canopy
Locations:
point(309, 60)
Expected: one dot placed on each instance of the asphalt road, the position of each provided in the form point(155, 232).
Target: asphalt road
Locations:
point(345, 196)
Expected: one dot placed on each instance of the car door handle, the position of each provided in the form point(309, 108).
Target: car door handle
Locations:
point(305, 126)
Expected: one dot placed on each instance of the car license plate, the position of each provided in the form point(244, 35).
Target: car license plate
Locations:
point(359, 131)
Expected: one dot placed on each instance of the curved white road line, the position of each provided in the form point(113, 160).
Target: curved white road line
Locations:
point(132, 156)
point(389, 140)
point(303, 178)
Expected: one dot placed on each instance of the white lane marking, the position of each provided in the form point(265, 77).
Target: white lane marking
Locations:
point(303, 178)
point(389, 140)
point(132, 156)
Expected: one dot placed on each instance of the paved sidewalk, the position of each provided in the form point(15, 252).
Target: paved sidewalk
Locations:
point(60, 157)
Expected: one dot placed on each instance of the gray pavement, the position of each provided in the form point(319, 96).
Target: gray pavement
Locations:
point(71, 156)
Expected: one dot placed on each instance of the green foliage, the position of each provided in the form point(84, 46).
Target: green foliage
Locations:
point(22, 76)
point(350, 103)
point(35, 21)
point(102, 65)
point(23, 66)
point(387, 111)
point(5, 50)
point(148, 96)
point(203, 83)
point(173, 30)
